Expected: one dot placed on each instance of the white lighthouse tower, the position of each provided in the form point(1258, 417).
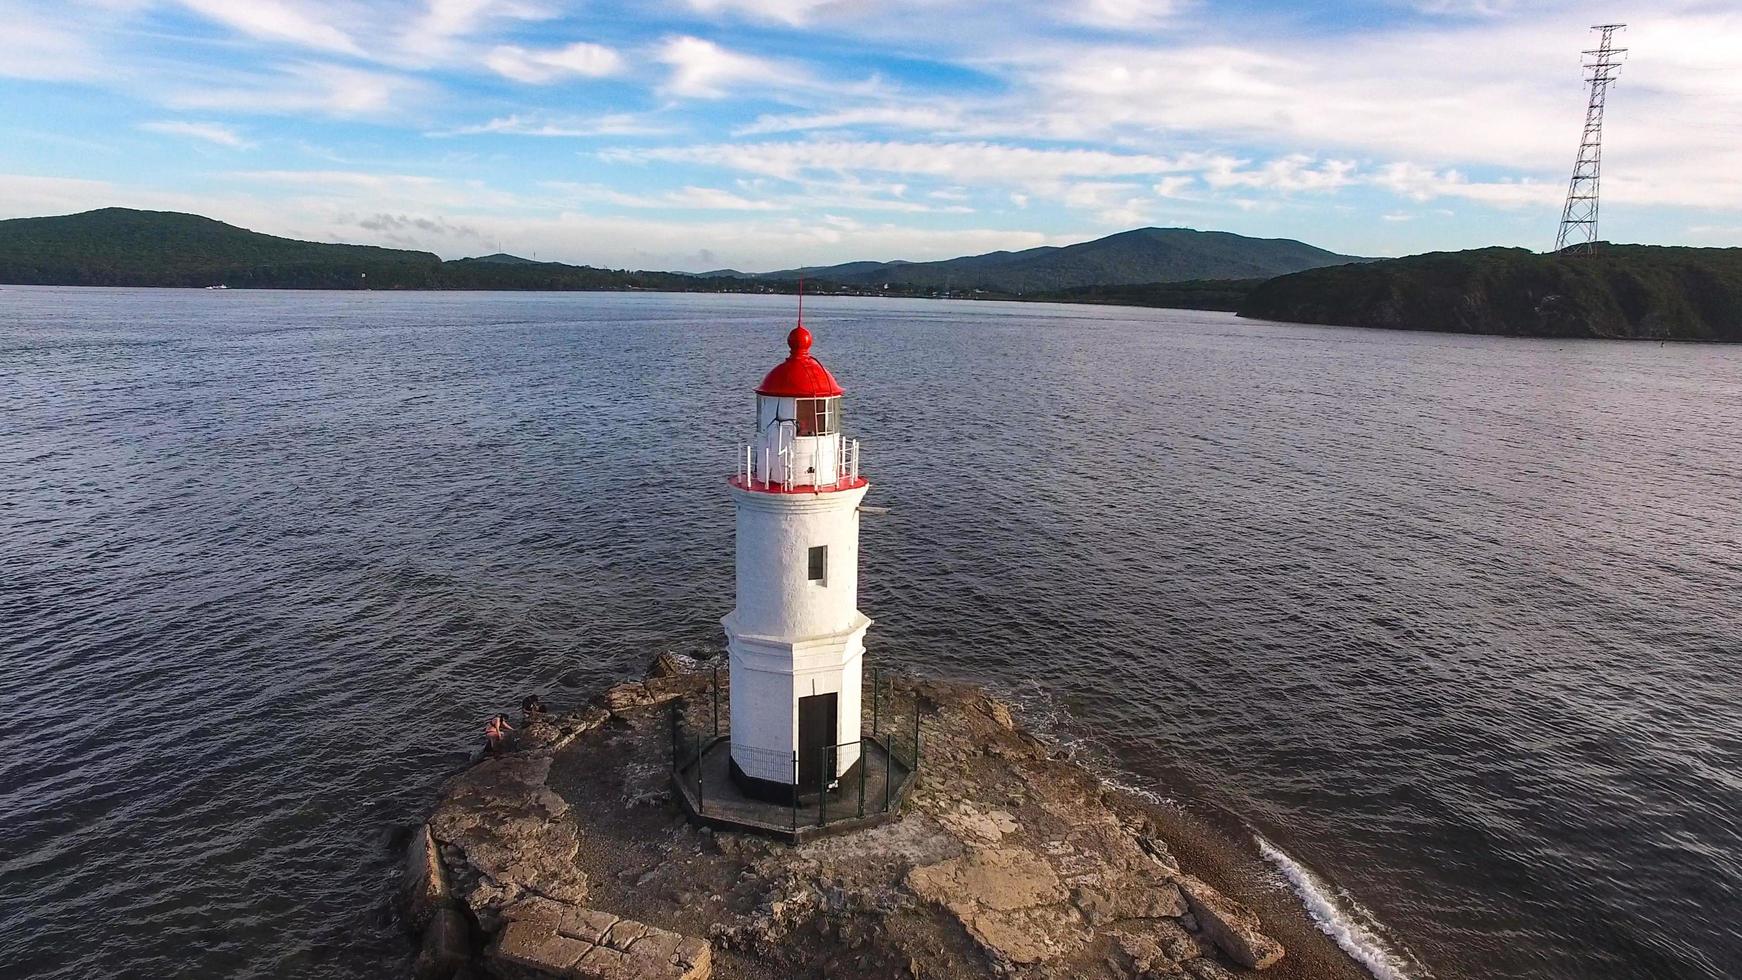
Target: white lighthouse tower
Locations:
point(797, 637)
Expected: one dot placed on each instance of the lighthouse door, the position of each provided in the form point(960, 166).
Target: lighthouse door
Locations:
point(816, 735)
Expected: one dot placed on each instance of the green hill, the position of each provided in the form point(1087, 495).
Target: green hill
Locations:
point(123, 247)
point(1620, 291)
point(1140, 257)
point(1192, 294)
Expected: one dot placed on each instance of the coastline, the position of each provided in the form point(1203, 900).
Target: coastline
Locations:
point(1009, 859)
point(1267, 874)
point(1641, 341)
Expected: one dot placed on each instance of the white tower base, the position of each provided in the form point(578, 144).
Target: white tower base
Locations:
point(796, 643)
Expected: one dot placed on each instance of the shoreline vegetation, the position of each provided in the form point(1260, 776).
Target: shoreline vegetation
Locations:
point(1631, 292)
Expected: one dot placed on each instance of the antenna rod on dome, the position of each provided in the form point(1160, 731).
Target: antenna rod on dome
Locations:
point(801, 301)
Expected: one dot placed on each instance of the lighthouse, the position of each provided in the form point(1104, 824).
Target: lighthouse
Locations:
point(796, 638)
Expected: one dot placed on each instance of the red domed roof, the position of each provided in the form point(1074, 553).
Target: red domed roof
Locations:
point(800, 375)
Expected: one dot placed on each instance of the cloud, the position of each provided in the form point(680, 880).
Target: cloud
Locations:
point(1295, 172)
point(793, 13)
point(1121, 14)
point(398, 191)
point(899, 117)
point(1419, 183)
point(339, 178)
point(210, 132)
point(1465, 8)
point(540, 67)
point(1173, 186)
point(276, 20)
point(610, 124)
point(684, 199)
point(704, 70)
point(811, 196)
point(959, 161)
point(404, 229)
point(440, 33)
point(310, 87)
point(40, 49)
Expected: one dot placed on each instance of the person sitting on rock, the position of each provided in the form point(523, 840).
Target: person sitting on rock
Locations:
point(496, 733)
point(531, 708)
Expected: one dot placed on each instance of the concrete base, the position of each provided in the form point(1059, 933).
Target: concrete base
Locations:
point(781, 793)
point(713, 792)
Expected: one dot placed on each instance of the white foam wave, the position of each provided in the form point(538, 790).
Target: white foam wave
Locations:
point(1345, 920)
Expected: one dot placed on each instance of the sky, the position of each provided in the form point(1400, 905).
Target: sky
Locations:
point(764, 134)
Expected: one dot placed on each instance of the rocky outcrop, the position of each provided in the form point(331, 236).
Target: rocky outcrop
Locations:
point(571, 859)
point(1009, 900)
point(423, 887)
point(507, 835)
point(550, 733)
point(652, 692)
point(446, 946)
point(1233, 927)
point(550, 939)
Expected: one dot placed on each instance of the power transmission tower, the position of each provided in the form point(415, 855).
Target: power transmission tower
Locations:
point(1579, 217)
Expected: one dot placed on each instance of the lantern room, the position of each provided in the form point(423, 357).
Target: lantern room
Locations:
point(798, 443)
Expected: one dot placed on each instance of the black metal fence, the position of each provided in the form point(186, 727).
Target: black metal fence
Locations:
point(885, 759)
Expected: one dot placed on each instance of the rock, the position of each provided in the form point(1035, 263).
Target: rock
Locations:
point(424, 883)
point(974, 827)
point(1140, 954)
point(1003, 864)
point(1150, 900)
point(1209, 970)
point(1158, 851)
point(1095, 905)
point(1107, 843)
point(999, 712)
point(1233, 927)
point(1008, 899)
point(554, 733)
point(666, 665)
point(446, 946)
point(626, 697)
point(515, 834)
point(1176, 944)
point(996, 878)
point(1027, 936)
point(559, 940)
point(655, 691)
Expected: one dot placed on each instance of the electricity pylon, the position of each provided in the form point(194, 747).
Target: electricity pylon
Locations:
point(1579, 217)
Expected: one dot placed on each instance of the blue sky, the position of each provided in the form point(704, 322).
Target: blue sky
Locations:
point(758, 134)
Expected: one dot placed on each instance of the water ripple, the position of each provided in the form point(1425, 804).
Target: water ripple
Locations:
point(1449, 620)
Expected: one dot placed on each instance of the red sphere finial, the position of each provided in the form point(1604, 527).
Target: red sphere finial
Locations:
point(799, 340)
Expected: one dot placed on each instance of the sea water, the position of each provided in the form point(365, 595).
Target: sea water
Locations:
point(1448, 624)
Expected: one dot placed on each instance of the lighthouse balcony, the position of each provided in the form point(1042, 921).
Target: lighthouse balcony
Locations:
point(784, 463)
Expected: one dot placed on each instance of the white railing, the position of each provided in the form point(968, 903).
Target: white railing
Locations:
point(766, 468)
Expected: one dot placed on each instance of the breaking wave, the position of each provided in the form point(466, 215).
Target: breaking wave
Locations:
point(1346, 921)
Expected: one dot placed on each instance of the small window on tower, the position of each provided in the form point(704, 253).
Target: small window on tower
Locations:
point(819, 563)
point(818, 416)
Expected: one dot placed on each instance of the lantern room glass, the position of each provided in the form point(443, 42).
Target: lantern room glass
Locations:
point(818, 416)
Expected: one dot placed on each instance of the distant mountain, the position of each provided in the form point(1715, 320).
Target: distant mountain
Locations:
point(1638, 292)
point(123, 247)
point(503, 258)
point(1622, 291)
point(1140, 257)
